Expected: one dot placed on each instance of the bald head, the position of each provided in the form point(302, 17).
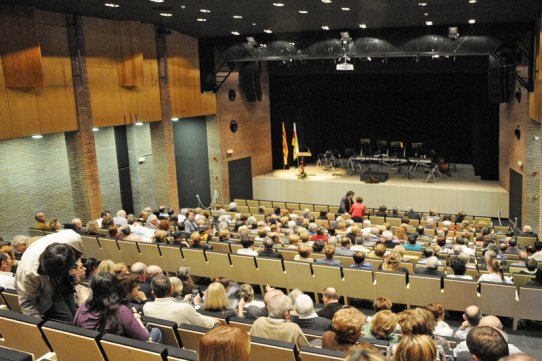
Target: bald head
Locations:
point(154, 270)
point(491, 321)
point(330, 295)
point(472, 315)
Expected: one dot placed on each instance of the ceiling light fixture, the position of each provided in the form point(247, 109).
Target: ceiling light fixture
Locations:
point(425, 14)
point(363, 26)
point(327, 1)
point(472, 21)
point(325, 27)
point(303, 11)
point(95, 129)
point(291, 43)
point(157, 1)
point(267, 31)
point(201, 19)
point(253, 24)
point(237, 16)
point(138, 124)
point(111, 5)
point(251, 41)
point(175, 119)
point(473, 1)
point(429, 23)
point(422, 3)
point(278, 4)
point(345, 36)
point(37, 136)
point(345, 9)
point(236, 33)
point(166, 14)
point(205, 11)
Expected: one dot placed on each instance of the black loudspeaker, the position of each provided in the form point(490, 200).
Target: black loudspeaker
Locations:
point(500, 81)
point(368, 176)
point(249, 81)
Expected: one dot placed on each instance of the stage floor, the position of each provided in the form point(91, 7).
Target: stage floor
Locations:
point(462, 191)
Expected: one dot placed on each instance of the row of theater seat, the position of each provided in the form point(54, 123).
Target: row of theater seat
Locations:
point(50, 340)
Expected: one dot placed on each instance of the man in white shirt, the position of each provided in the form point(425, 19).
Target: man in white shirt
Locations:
point(166, 308)
point(538, 254)
point(248, 248)
point(120, 218)
point(7, 278)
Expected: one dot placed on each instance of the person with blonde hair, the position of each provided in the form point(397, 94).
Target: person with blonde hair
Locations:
point(416, 348)
point(177, 286)
point(106, 266)
point(121, 268)
point(224, 343)
point(304, 253)
point(329, 251)
point(346, 326)
point(382, 326)
point(362, 353)
point(392, 263)
point(216, 300)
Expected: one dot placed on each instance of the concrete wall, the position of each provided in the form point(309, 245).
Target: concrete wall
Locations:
point(142, 175)
point(34, 176)
point(106, 153)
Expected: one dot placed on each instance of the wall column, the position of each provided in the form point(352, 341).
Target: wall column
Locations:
point(81, 147)
point(163, 148)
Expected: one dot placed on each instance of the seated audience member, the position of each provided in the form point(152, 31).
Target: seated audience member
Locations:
point(382, 211)
point(513, 247)
point(183, 273)
point(121, 269)
point(359, 262)
point(496, 273)
point(431, 268)
point(518, 357)
point(459, 267)
point(358, 210)
point(382, 327)
point(331, 303)
point(346, 330)
point(42, 277)
point(392, 263)
point(177, 290)
point(106, 266)
point(160, 237)
point(412, 245)
point(420, 321)
point(216, 300)
point(277, 325)
point(362, 353)
point(41, 221)
point(248, 248)
point(107, 222)
point(329, 251)
point(379, 251)
point(128, 235)
point(380, 304)
point(120, 218)
point(140, 270)
point(104, 312)
point(304, 254)
point(7, 278)
point(247, 298)
point(344, 248)
point(197, 242)
point(233, 291)
point(321, 234)
point(167, 308)
point(484, 344)
point(306, 317)
point(268, 250)
point(537, 255)
point(224, 236)
point(318, 246)
point(527, 231)
point(416, 347)
point(20, 243)
point(93, 228)
point(442, 328)
point(487, 321)
point(530, 267)
point(537, 280)
point(471, 319)
point(410, 213)
point(224, 343)
point(91, 264)
point(134, 298)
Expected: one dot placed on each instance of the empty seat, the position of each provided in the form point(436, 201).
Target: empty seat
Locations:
point(281, 205)
point(252, 203)
point(294, 206)
point(498, 299)
point(118, 348)
point(12, 299)
point(424, 290)
point(67, 341)
point(190, 335)
point(458, 294)
point(172, 257)
point(266, 204)
point(529, 303)
point(22, 332)
point(263, 349)
point(358, 284)
point(240, 202)
point(243, 209)
point(377, 220)
point(170, 333)
point(391, 285)
point(326, 276)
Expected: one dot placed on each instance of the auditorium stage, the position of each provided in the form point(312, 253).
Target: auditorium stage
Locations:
point(461, 191)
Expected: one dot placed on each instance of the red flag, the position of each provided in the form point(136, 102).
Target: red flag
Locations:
point(284, 145)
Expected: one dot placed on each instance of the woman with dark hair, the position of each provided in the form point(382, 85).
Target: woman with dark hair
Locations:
point(105, 313)
point(129, 292)
point(346, 202)
point(90, 267)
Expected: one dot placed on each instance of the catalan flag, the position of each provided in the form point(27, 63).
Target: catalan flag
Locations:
point(284, 145)
point(295, 144)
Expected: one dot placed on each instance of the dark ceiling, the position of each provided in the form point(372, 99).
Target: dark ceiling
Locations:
point(258, 15)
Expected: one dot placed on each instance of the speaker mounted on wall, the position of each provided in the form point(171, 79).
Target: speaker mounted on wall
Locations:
point(500, 80)
point(249, 81)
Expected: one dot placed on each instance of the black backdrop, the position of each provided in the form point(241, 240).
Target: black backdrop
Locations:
point(448, 112)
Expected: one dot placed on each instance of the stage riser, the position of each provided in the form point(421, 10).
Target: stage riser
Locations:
point(428, 196)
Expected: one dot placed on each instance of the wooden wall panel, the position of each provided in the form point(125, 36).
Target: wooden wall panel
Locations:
point(208, 103)
point(100, 43)
point(5, 117)
point(128, 104)
point(148, 104)
point(55, 51)
point(105, 96)
point(24, 112)
point(19, 47)
point(130, 55)
point(148, 48)
point(56, 109)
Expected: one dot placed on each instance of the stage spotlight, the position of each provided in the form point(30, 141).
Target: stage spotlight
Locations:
point(453, 32)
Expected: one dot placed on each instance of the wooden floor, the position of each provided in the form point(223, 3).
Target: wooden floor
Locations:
point(450, 194)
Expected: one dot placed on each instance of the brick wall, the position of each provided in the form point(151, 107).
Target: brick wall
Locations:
point(34, 176)
point(526, 150)
point(106, 153)
point(253, 138)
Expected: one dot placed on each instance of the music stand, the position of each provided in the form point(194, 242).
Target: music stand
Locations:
point(396, 152)
point(382, 150)
point(417, 148)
